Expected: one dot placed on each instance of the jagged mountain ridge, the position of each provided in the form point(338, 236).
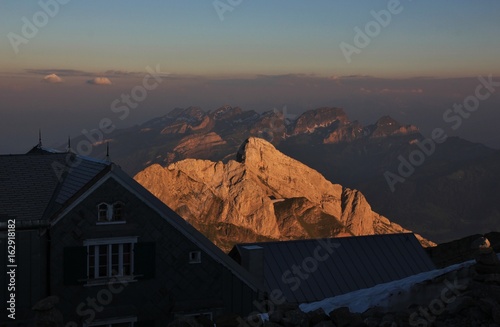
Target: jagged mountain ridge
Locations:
point(451, 195)
point(216, 135)
point(266, 195)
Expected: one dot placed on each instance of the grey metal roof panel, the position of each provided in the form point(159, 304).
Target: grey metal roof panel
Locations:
point(78, 176)
point(358, 262)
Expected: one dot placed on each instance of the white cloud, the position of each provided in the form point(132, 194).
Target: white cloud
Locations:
point(100, 81)
point(52, 78)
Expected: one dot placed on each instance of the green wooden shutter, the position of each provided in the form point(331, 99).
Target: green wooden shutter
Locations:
point(144, 260)
point(75, 265)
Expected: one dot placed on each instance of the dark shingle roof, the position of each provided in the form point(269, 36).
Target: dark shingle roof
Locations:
point(32, 183)
point(355, 263)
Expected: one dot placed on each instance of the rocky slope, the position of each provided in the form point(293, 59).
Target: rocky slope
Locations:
point(451, 195)
point(262, 195)
point(216, 135)
point(457, 251)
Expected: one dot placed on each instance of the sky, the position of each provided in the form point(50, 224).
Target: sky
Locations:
point(64, 62)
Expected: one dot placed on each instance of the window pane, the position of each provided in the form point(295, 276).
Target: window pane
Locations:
point(127, 258)
point(110, 260)
point(126, 270)
point(115, 259)
point(103, 261)
point(115, 268)
point(126, 253)
point(103, 212)
point(117, 211)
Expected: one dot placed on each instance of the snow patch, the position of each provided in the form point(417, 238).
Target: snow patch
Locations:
point(361, 300)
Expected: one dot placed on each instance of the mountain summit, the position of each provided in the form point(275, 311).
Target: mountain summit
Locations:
point(264, 195)
point(451, 195)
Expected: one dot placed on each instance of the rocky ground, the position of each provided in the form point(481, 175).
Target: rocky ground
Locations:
point(474, 302)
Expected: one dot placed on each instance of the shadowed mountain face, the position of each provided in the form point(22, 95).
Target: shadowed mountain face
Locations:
point(264, 195)
point(452, 193)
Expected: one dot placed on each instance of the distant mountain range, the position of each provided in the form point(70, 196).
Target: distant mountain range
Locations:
point(451, 193)
point(263, 196)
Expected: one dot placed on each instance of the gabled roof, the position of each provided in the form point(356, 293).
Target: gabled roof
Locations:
point(170, 216)
point(33, 184)
point(44, 184)
point(354, 263)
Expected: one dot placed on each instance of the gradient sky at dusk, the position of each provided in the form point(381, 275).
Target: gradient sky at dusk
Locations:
point(212, 62)
point(438, 38)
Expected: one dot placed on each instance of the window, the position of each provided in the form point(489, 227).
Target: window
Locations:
point(117, 211)
point(110, 212)
point(110, 257)
point(102, 210)
point(91, 263)
point(195, 257)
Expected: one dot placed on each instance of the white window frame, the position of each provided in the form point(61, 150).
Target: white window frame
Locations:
point(108, 242)
point(99, 212)
point(111, 322)
point(113, 211)
point(110, 214)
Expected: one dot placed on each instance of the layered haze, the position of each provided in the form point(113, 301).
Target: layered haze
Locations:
point(63, 109)
point(63, 63)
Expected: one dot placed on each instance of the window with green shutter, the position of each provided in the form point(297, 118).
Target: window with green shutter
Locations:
point(75, 265)
point(144, 260)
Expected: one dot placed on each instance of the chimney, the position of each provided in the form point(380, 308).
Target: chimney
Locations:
point(252, 259)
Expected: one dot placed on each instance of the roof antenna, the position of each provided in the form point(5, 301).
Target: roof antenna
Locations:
point(69, 143)
point(39, 138)
point(107, 151)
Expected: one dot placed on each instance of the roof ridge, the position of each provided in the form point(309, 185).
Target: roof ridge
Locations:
point(323, 238)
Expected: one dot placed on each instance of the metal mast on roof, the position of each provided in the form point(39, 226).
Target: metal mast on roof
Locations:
point(39, 138)
point(69, 143)
point(107, 151)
